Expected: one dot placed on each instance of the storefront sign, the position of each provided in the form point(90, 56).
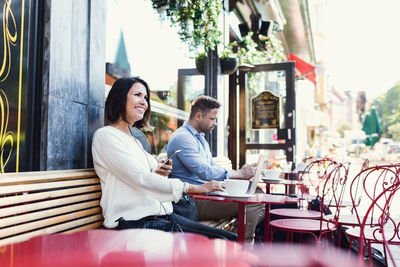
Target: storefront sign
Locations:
point(13, 83)
point(265, 111)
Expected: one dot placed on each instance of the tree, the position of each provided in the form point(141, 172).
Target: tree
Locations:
point(387, 107)
point(394, 131)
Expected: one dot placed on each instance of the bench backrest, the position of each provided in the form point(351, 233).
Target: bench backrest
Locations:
point(37, 203)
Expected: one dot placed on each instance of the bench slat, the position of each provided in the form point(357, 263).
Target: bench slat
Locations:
point(13, 230)
point(9, 200)
point(90, 226)
point(45, 202)
point(13, 189)
point(35, 177)
point(47, 173)
point(52, 229)
point(14, 210)
point(47, 213)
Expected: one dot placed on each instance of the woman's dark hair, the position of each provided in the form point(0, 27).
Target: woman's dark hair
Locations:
point(116, 102)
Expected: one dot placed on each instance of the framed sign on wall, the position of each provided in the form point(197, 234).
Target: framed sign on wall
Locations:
point(265, 111)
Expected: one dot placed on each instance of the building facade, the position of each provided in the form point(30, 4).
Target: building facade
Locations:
point(58, 53)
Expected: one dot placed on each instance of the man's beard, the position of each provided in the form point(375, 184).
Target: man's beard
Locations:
point(209, 130)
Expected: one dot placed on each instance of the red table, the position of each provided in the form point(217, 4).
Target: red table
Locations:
point(297, 255)
point(145, 247)
point(242, 202)
point(133, 247)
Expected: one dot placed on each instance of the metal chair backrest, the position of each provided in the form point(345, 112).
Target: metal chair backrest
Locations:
point(333, 191)
point(358, 195)
point(375, 182)
point(315, 174)
point(385, 229)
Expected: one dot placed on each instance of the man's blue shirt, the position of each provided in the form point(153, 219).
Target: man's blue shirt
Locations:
point(194, 164)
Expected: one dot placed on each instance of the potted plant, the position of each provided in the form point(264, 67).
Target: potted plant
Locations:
point(228, 59)
point(250, 52)
point(200, 62)
point(197, 20)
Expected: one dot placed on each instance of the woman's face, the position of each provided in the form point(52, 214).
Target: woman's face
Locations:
point(136, 104)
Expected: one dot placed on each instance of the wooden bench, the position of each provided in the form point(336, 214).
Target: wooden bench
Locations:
point(45, 202)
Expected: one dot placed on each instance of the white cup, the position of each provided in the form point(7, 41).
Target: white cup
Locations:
point(235, 187)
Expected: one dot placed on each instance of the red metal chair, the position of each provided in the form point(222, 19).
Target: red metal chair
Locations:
point(351, 219)
point(380, 188)
point(392, 237)
point(332, 190)
point(312, 177)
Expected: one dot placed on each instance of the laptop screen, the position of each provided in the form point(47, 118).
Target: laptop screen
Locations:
point(257, 175)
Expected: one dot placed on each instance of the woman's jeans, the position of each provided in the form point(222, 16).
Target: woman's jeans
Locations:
point(175, 223)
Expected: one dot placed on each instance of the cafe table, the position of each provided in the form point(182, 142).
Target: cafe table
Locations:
point(147, 247)
point(258, 198)
point(300, 255)
point(131, 247)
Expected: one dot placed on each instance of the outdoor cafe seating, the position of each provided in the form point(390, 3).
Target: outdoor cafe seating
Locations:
point(331, 188)
point(143, 247)
point(377, 216)
point(350, 220)
point(311, 177)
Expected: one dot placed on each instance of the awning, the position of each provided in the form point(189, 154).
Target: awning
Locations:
point(303, 68)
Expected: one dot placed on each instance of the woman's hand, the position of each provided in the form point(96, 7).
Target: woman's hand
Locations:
point(164, 168)
point(208, 187)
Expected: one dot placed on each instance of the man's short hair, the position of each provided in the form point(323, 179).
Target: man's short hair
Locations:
point(204, 104)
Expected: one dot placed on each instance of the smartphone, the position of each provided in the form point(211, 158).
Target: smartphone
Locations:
point(177, 151)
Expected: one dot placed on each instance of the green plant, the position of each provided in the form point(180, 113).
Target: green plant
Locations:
point(228, 51)
point(200, 56)
point(249, 52)
point(197, 20)
point(272, 49)
point(267, 50)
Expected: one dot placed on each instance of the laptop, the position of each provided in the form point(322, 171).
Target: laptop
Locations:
point(253, 184)
point(257, 175)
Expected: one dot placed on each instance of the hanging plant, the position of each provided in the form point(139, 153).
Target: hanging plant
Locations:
point(267, 50)
point(229, 59)
point(200, 60)
point(197, 20)
point(272, 49)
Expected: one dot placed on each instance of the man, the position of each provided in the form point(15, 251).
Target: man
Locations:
point(194, 164)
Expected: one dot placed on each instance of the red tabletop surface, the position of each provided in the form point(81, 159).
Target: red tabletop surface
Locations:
point(145, 247)
point(297, 213)
point(257, 198)
point(303, 255)
point(133, 247)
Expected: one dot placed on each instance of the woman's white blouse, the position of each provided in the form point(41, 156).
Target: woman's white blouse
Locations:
point(129, 188)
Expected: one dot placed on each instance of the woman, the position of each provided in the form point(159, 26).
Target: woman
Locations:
point(136, 192)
